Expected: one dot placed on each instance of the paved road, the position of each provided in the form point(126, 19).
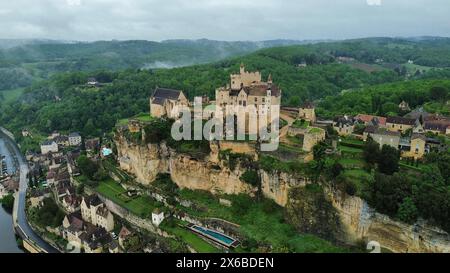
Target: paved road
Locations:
point(19, 216)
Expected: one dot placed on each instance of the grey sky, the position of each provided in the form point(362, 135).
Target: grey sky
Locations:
point(222, 19)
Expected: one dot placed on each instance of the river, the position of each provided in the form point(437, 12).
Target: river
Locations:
point(7, 237)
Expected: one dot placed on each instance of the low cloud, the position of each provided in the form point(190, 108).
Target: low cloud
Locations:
point(221, 19)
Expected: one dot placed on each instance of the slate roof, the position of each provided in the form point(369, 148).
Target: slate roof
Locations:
point(419, 136)
point(380, 131)
point(437, 126)
point(47, 142)
point(401, 120)
point(74, 134)
point(166, 93)
point(93, 200)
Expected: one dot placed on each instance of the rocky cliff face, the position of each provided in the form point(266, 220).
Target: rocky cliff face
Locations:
point(276, 185)
point(357, 220)
point(144, 161)
point(193, 174)
point(147, 161)
point(361, 222)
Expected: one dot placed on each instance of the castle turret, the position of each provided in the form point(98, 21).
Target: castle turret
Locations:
point(242, 68)
point(269, 79)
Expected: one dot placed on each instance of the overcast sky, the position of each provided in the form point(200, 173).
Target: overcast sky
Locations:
point(222, 19)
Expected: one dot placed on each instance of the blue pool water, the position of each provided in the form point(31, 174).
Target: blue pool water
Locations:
point(218, 236)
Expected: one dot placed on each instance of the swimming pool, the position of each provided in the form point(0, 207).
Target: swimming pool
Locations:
point(214, 235)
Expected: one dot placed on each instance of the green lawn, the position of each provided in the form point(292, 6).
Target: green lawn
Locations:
point(300, 124)
point(141, 205)
point(351, 163)
point(261, 221)
point(144, 117)
point(350, 149)
point(192, 239)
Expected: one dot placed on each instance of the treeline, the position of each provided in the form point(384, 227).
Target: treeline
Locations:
point(61, 104)
point(12, 78)
point(384, 99)
point(434, 52)
point(409, 196)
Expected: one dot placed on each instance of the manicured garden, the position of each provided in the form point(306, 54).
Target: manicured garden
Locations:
point(138, 205)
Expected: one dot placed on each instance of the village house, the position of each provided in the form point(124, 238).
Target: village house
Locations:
point(404, 106)
point(344, 125)
point(157, 217)
point(73, 225)
point(167, 103)
point(247, 89)
point(400, 124)
point(437, 127)
point(74, 139)
point(37, 196)
point(92, 81)
point(49, 146)
point(417, 147)
point(85, 235)
point(26, 133)
point(370, 120)
point(62, 140)
point(123, 235)
point(71, 203)
point(92, 145)
point(95, 212)
point(382, 136)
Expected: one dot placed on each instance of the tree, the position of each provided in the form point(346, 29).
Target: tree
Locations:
point(407, 212)
point(439, 93)
point(87, 166)
point(388, 160)
point(8, 202)
point(371, 152)
point(251, 177)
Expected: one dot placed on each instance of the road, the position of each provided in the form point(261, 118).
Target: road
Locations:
point(19, 217)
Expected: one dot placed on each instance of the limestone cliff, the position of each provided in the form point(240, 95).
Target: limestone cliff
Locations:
point(276, 185)
point(143, 161)
point(362, 222)
point(357, 220)
point(146, 161)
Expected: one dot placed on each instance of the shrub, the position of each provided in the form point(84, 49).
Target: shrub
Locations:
point(251, 177)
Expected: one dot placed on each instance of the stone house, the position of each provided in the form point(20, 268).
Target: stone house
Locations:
point(74, 139)
point(95, 212)
point(344, 125)
point(383, 136)
point(167, 103)
point(157, 217)
point(37, 197)
point(400, 124)
point(370, 120)
point(49, 146)
point(123, 235)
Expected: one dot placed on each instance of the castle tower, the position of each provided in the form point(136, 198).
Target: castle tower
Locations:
point(242, 69)
point(269, 79)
